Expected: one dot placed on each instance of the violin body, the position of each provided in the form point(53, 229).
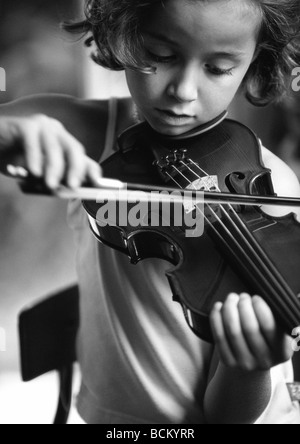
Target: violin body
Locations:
point(204, 270)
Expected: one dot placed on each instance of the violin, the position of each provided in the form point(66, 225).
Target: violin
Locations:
point(240, 249)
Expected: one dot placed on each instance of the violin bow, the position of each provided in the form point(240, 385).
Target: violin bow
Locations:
point(111, 189)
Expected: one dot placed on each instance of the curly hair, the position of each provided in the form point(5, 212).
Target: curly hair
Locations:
point(115, 27)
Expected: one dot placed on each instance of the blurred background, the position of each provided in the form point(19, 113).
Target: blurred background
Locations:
point(37, 253)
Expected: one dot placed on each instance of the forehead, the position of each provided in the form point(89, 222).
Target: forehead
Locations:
point(220, 23)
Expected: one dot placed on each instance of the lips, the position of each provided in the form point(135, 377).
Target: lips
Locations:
point(176, 114)
point(173, 118)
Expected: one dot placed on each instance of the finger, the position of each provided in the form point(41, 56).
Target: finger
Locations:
point(54, 159)
point(219, 335)
point(76, 159)
point(94, 172)
point(234, 333)
point(284, 351)
point(275, 338)
point(265, 319)
point(252, 333)
point(33, 150)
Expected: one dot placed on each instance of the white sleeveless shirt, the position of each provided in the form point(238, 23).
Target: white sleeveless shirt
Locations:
point(140, 362)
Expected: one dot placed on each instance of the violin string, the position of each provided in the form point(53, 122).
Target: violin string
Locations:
point(286, 299)
point(172, 178)
point(203, 213)
point(212, 211)
point(269, 286)
point(271, 269)
point(233, 252)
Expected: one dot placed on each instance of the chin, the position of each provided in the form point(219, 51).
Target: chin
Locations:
point(173, 131)
point(168, 130)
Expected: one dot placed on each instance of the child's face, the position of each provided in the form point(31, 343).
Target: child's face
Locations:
point(202, 51)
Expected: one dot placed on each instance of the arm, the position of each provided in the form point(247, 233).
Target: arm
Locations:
point(235, 396)
point(248, 341)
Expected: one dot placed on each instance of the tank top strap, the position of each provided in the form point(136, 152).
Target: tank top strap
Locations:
point(111, 129)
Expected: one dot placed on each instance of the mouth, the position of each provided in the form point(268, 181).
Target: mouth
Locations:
point(175, 118)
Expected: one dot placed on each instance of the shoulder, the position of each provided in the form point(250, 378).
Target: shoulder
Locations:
point(284, 179)
point(53, 104)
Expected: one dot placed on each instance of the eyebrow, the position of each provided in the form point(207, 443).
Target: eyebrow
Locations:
point(158, 36)
point(227, 55)
point(218, 54)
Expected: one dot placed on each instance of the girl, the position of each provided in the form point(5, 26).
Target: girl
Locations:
point(185, 60)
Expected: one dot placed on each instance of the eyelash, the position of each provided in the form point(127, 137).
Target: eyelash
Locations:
point(159, 59)
point(219, 71)
point(213, 70)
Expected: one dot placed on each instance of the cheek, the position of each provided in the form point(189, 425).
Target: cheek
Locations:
point(220, 93)
point(144, 87)
point(234, 85)
point(214, 97)
point(132, 82)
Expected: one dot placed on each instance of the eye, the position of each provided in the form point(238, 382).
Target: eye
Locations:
point(161, 59)
point(219, 71)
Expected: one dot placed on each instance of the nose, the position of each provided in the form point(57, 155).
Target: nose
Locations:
point(184, 85)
